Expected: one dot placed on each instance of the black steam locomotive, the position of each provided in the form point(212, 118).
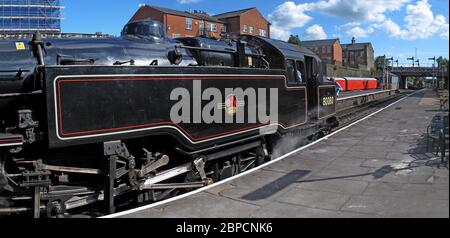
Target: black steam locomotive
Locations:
point(88, 120)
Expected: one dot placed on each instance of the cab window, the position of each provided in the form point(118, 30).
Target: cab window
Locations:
point(290, 71)
point(300, 72)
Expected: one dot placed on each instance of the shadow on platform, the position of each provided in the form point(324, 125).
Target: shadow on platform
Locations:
point(276, 186)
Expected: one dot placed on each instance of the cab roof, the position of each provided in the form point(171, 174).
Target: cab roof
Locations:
point(290, 51)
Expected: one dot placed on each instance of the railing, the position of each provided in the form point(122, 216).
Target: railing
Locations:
point(31, 2)
point(438, 135)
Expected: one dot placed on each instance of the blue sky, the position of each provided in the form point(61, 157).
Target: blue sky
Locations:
point(395, 27)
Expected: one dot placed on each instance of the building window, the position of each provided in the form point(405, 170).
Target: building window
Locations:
point(188, 23)
point(213, 27)
point(244, 28)
point(224, 29)
point(175, 35)
point(262, 32)
point(252, 30)
point(202, 28)
point(329, 49)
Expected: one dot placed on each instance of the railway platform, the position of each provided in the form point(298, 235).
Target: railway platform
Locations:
point(378, 167)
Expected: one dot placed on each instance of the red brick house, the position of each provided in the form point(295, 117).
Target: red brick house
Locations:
point(187, 24)
point(329, 51)
point(246, 21)
point(181, 24)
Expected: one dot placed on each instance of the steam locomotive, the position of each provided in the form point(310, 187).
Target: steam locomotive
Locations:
point(89, 120)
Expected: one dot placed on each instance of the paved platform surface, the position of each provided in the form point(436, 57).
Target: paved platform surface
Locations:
point(377, 168)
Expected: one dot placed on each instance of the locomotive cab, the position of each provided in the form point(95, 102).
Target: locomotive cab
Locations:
point(145, 30)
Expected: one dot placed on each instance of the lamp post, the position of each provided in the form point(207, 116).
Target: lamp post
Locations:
point(412, 59)
point(388, 60)
point(396, 62)
point(418, 63)
point(434, 71)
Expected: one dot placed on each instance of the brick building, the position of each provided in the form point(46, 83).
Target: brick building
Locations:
point(246, 21)
point(181, 24)
point(358, 55)
point(329, 50)
point(187, 24)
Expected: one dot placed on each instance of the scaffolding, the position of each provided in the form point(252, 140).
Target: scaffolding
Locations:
point(28, 16)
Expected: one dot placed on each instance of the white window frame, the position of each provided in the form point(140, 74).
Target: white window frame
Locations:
point(189, 23)
point(262, 32)
point(176, 35)
point(224, 29)
point(251, 29)
point(244, 28)
point(212, 27)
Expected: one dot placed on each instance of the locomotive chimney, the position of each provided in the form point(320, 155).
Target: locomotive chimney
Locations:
point(37, 45)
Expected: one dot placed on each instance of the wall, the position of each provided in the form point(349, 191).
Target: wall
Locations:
point(331, 54)
point(177, 25)
point(233, 25)
point(341, 71)
point(363, 56)
point(370, 58)
point(249, 18)
point(255, 19)
point(337, 53)
point(148, 12)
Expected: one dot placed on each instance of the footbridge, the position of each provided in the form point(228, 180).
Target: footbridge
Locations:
point(404, 72)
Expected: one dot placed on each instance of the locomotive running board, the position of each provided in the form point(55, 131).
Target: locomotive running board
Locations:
point(9, 140)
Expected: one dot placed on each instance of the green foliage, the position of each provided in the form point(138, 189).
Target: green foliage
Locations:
point(442, 62)
point(381, 62)
point(295, 40)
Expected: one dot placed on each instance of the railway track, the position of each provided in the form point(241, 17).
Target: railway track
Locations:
point(364, 105)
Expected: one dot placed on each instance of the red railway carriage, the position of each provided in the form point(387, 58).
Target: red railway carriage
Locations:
point(342, 82)
point(361, 84)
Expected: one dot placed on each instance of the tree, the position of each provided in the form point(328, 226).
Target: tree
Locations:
point(381, 62)
point(295, 40)
point(442, 62)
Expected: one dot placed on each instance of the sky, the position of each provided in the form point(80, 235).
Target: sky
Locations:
point(396, 28)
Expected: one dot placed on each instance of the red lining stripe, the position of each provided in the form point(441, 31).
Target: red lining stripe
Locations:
point(168, 79)
point(11, 140)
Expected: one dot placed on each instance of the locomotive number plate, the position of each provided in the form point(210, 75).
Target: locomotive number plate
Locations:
point(328, 101)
